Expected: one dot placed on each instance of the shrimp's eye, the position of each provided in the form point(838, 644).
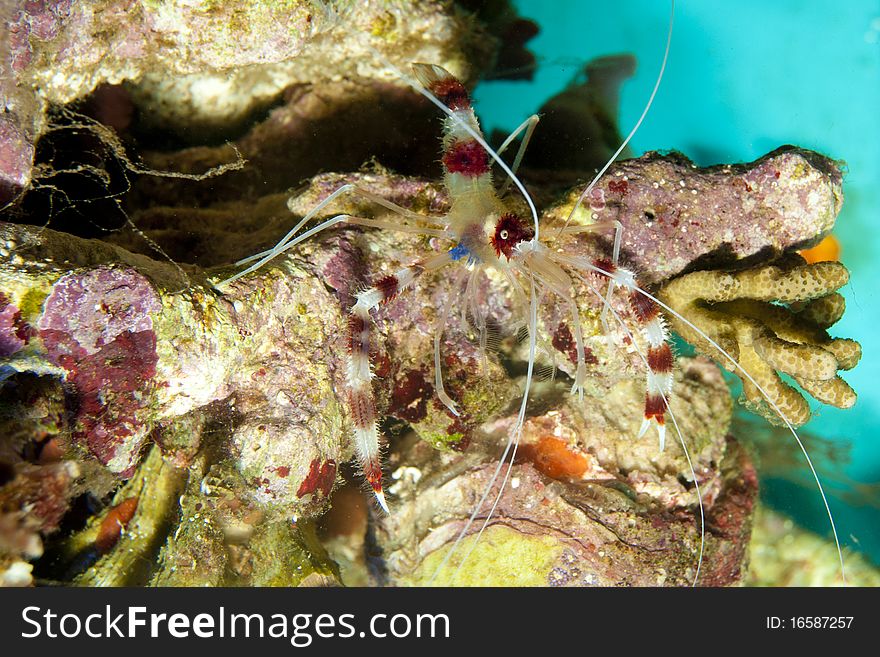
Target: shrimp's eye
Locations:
point(509, 231)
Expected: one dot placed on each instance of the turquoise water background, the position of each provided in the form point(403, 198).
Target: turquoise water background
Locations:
point(743, 78)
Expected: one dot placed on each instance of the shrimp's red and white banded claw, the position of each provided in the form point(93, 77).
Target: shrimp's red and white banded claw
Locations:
point(361, 403)
point(659, 356)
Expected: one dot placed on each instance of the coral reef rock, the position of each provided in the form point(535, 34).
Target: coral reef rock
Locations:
point(677, 216)
point(584, 504)
point(158, 428)
point(223, 410)
point(203, 69)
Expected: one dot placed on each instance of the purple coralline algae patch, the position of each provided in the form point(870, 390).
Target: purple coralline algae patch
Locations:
point(37, 19)
point(16, 158)
point(95, 307)
point(344, 270)
point(15, 333)
point(675, 214)
point(97, 326)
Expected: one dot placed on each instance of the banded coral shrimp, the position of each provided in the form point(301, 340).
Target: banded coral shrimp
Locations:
point(533, 271)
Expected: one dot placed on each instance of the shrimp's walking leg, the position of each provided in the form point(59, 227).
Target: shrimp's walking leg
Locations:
point(615, 261)
point(479, 311)
point(581, 373)
point(529, 126)
point(470, 306)
point(361, 403)
point(438, 375)
point(438, 371)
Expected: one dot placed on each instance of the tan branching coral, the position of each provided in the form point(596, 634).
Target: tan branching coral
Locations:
point(772, 320)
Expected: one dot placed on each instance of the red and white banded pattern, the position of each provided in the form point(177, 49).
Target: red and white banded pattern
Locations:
point(660, 362)
point(660, 358)
point(466, 163)
point(361, 403)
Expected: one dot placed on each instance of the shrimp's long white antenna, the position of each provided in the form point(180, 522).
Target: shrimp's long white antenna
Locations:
point(338, 219)
point(684, 448)
point(635, 127)
point(588, 265)
point(293, 231)
point(512, 444)
point(473, 133)
point(349, 187)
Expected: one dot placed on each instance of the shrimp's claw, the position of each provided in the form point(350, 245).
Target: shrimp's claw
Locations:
point(661, 430)
point(373, 474)
point(661, 433)
point(655, 410)
point(380, 498)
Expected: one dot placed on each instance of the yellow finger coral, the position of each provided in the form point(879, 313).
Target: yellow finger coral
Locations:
point(772, 320)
